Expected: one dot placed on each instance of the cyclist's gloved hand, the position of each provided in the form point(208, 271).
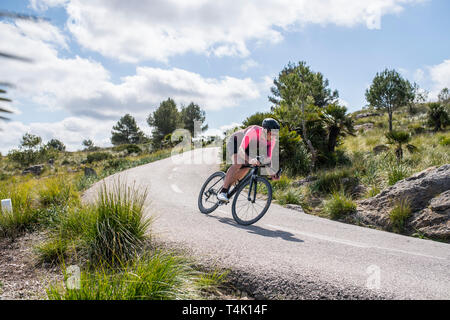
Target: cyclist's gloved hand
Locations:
point(277, 175)
point(254, 162)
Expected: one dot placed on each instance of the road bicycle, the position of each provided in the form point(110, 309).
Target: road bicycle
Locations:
point(252, 195)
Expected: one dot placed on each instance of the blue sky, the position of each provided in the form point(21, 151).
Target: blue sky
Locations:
point(97, 60)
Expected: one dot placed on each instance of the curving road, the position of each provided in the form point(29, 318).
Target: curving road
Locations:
point(287, 254)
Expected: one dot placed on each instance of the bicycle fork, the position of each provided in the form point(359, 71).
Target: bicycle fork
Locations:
point(253, 185)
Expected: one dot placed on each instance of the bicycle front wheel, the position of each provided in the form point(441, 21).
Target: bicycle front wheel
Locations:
point(252, 201)
point(207, 199)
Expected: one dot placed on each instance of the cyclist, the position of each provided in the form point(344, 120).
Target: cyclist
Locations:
point(259, 135)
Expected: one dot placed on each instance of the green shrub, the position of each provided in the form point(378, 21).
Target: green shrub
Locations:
point(117, 164)
point(300, 162)
point(397, 172)
point(339, 205)
point(27, 157)
point(52, 251)
point(444, 141)
point(289, 196)
point(333, 180)
point(294, 157)
point(416, 128)
point(438, 116)
point(129, 148)
point(98, 156)
point(400, 214)
point(281, 184)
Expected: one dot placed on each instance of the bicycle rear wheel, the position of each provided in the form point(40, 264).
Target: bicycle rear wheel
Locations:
point(207, 199)
point(252, 201)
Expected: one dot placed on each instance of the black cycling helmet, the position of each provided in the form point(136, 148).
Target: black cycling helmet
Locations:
point(269, 124)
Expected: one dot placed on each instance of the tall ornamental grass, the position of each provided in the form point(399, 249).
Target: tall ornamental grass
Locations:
point(120, 227)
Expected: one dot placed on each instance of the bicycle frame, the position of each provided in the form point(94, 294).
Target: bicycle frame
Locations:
point(250, 175)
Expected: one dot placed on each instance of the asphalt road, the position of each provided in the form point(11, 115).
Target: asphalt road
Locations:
point(287, 254)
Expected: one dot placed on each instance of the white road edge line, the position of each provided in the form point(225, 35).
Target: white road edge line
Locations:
point(175, 188)
point(350, 243)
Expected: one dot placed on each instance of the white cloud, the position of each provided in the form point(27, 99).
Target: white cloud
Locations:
point(433, 78)
point(440, 76)
point(71, 131)
point(84, 89)
point(220, 131)
point(45, 4)
point(49, 81)
point(137, 30)
point(83, 86)
point(142, 92)
point(419, 75)
point(249, 63)
point(43, 31)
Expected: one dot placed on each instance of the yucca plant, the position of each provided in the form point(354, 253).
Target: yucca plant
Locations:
point(338, 123)
point(438, 117)
point(400, 139)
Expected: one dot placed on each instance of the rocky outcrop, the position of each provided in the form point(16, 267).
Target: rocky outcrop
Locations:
point(434, 221)
point(428, 194)
point(367, 114)
point(88, 172)
point(36, 170)
point(304, 181)
point(380, 148)
point(364, 127)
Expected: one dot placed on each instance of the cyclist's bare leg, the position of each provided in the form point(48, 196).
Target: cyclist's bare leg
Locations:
point(234, 173)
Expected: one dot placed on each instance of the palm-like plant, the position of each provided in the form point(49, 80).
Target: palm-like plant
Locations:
point(437, 116)
point(338, 123)
point(7, 55)
point(2, 109)
point(399, 139)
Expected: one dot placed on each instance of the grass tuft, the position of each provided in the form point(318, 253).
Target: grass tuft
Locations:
point(24, 214)
point(57, 191)
point(334, 180)
point(120, 228)
point(151, 277)
point(289, 196)
point(399, 215)
point(339, 205)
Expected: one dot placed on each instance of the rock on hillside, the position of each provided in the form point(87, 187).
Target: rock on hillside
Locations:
point(428, 193)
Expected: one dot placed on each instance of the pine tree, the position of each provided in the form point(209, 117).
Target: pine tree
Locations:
point(126, 131)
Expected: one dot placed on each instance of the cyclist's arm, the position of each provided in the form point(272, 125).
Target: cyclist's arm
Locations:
point(242, 156)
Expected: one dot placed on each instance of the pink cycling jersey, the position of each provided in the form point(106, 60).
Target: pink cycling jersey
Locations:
point(252, 135)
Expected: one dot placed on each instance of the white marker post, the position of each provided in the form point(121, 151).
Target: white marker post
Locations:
point(6, 205)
